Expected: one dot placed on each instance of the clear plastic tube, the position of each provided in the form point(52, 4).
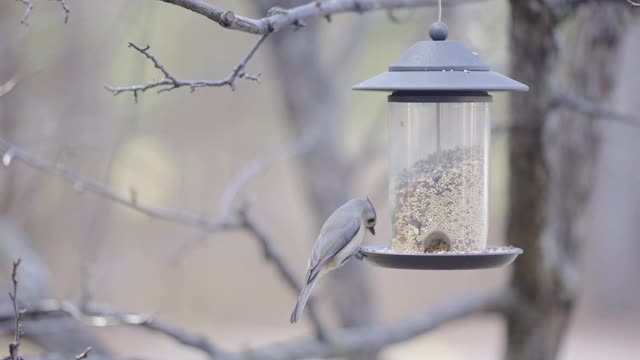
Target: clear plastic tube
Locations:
point(438, 165)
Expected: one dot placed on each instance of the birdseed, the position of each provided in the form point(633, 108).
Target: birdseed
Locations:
point(440, 204)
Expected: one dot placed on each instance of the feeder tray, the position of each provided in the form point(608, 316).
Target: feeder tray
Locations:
point(494, 256)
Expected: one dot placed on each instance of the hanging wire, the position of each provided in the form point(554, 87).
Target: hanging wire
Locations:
point(439, 10)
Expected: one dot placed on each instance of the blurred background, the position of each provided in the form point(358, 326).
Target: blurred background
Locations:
point(180, 150)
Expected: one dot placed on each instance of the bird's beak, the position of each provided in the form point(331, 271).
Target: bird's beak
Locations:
point(373, 231)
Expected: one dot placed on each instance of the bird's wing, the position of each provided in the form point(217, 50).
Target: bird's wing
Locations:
point(334, 236)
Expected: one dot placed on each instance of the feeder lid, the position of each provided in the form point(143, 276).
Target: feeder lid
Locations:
point(440, 65)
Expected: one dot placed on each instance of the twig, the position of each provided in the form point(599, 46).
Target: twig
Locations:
point(17, 314)
point(169, 82)
point(633, 3)
point(9, 85)
point(591, 109)
point(66, 9)
point(305, 143)
point(29, 8)
point(27, 11)
point(84, 354)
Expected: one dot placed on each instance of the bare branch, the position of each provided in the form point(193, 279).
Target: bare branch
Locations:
point(27, 11)
point(272, 255)
point(66, 9)
point(275, 20)
point(103, 316)
point(29, 8)
point(169, 82)
point(296, 16)
point(563, 9)
point(591, 109)
point(353, 341)
point(344, 342)
point(231, 221)
point(81, 183)
point(17, 314)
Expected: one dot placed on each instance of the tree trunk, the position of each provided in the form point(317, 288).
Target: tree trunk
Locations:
point(552, 158)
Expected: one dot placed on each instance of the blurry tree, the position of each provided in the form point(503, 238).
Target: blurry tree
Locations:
point(553, 146)
point(551, 176)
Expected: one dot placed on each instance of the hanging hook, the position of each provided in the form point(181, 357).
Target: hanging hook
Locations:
point(439, 30)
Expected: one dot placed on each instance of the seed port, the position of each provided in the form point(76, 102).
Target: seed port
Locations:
point(436, 241)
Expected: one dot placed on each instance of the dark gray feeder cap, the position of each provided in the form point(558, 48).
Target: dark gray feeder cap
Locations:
point(440, 66)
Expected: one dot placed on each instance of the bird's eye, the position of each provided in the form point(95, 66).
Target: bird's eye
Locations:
point(371, 221)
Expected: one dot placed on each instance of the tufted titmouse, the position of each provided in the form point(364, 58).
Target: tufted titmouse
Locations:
point(339, 240)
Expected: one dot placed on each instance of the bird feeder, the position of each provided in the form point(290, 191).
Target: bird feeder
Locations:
point(439, 133)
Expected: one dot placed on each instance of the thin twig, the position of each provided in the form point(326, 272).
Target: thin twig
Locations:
point(17, 314)
point(591, 109)
point(169, 82)
point(29, 8)
point(27, 11)
point(66, 9)
point(9, 85)
point(84, 354)
point(303, 144)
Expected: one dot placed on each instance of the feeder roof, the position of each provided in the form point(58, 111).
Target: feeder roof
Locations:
point(440, 66)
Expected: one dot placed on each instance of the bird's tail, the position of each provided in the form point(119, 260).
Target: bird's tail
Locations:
point(302, 301)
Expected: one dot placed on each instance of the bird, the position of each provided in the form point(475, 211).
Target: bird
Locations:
point(339, 240)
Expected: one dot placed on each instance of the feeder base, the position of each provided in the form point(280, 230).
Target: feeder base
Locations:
point(494, 256)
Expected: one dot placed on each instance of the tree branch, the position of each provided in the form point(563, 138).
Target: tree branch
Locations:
point(272, 255)
point(169, 82)
point(82, 183)
point(95, 315)
point(344, 342)
point(591, 109)
point(274, 21)
point(230, 221)
point(352, 341)
point(563, 9)
point(296, 16)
